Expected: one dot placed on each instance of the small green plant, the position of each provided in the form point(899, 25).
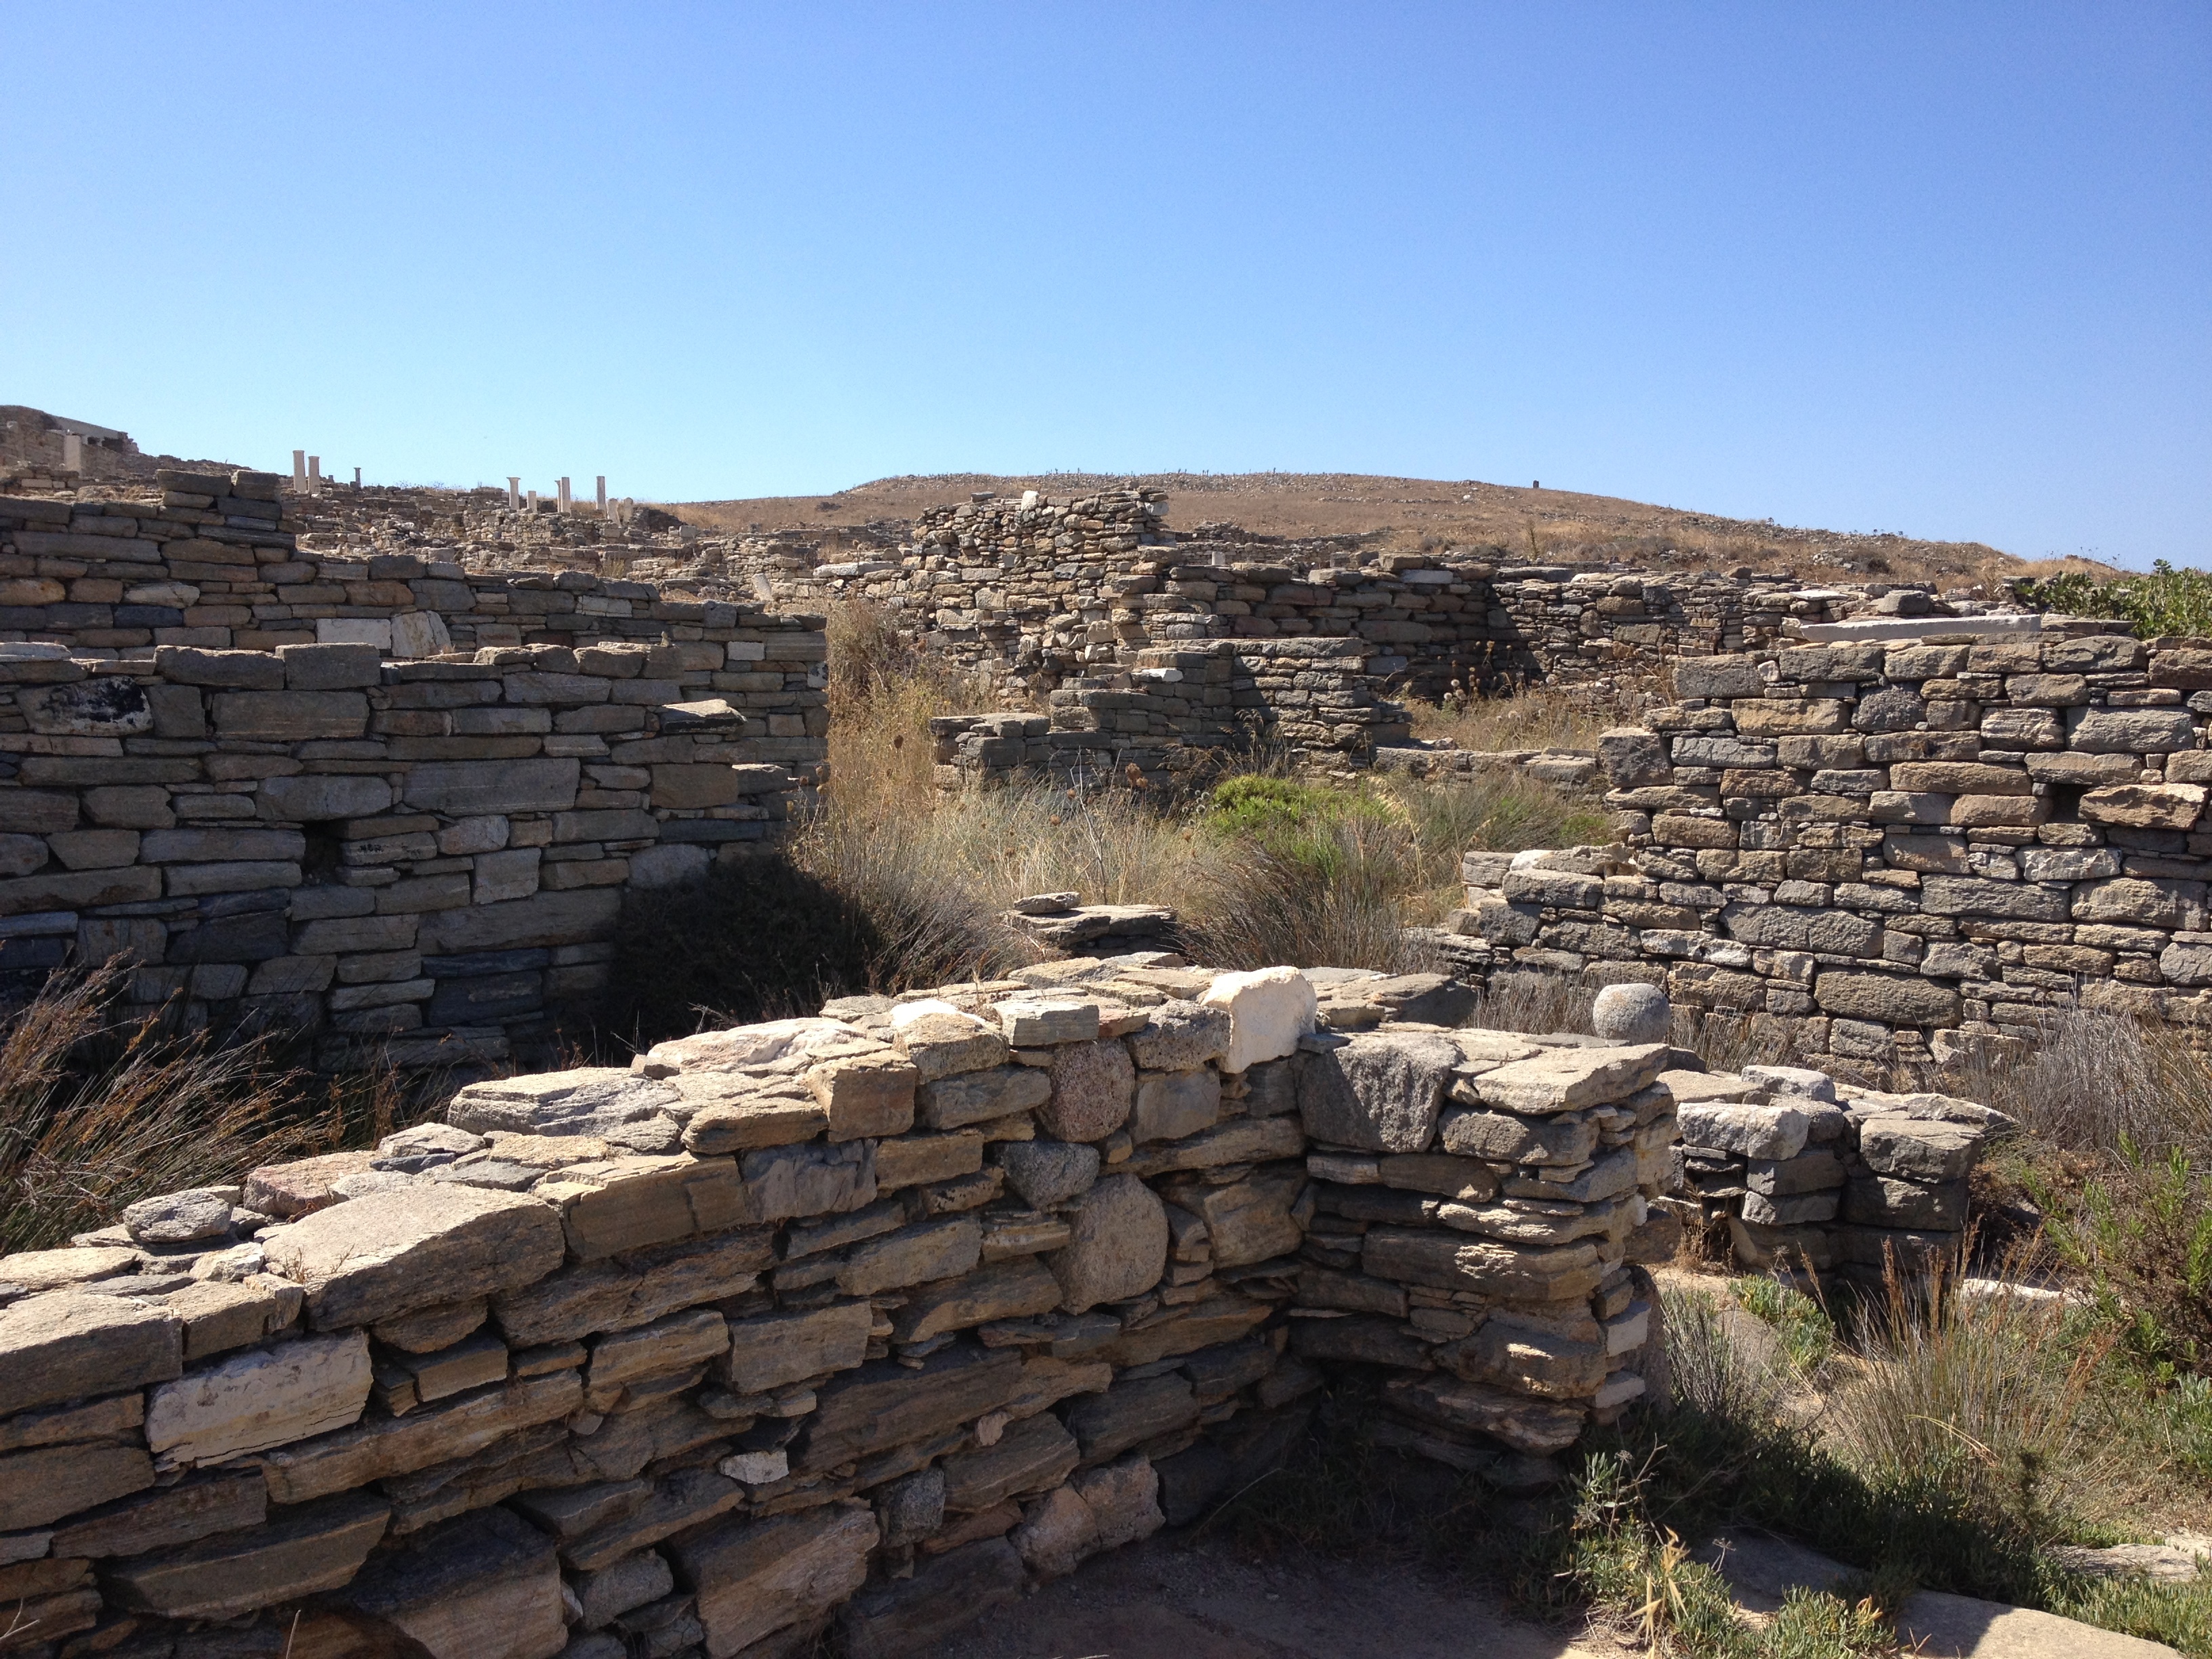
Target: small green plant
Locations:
point(2143, 1236)
point(1807, 1335)
point(1642, 1573)
point(1288, 817)
point(2185, 1413)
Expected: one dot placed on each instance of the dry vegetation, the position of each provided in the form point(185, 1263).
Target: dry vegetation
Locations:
point(103, 1102)
point(1506, 521)
point(1537, 717)
point(894, 884)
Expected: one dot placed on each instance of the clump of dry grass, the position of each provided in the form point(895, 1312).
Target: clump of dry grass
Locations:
point(1535, 717)
point(1975, 1393)
point(1528, 1001)
point(2094, 1082)
point(101, 1104)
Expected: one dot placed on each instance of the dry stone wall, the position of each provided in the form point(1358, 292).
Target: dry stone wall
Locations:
point(212, 563)
point(1804, 1171)
point(419, 860)
point(1879, 854)
point(1037, 590)
point(870, 1320)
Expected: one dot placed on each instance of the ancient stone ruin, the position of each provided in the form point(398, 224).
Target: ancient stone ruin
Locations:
point(1882, 854)
point(870, 1318)
point(863, 1323)
point(387, 801)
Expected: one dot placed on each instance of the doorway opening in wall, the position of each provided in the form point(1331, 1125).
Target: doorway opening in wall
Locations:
point(324, 853)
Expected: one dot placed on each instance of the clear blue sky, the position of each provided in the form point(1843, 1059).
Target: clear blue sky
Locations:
point(1939, 268)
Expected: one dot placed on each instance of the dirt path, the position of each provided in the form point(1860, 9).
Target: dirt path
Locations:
point(1166, 1599)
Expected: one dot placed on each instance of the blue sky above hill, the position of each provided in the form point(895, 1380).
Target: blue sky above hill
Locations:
point(1940, 270)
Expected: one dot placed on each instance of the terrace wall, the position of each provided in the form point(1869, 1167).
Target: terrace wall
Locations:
point(876, 1319)
point(422, 861)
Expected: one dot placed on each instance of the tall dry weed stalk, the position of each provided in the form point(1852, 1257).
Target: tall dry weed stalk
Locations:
point(100, 1106)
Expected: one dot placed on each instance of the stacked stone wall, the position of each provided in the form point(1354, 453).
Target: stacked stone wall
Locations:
point(1885, 854)
point(874, 1319)
point(424, 860)
point(212, 563)
point(1032, 595)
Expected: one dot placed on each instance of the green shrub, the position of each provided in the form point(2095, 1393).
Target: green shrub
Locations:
point(2142, 1236)
point(2166, 601)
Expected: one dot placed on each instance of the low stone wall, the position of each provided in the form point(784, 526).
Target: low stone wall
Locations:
point(874, 1318)
point(1175, 716)
point(416, 860)
point(1884, 855)
point(1806, 1171)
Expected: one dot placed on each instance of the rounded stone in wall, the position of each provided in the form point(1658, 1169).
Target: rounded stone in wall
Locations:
point(1632, 1013)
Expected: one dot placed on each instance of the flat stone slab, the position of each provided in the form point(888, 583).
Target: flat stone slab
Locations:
point(1886, 628)
point(1563, 1079)
point(372, 1258)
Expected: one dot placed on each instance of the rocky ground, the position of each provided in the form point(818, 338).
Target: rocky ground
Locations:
point(1526, 522)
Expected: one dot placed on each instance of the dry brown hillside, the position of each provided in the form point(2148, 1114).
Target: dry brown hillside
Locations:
point(1521, 523)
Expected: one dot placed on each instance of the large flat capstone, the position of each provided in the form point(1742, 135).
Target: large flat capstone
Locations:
point(376, 1257)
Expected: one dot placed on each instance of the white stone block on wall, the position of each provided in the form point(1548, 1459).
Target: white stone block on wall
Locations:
point(354, 630)
point(1269, 1009)
point(420, 633)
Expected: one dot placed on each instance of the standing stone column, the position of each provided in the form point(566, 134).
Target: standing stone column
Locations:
point(567, 505)
point(513, 495)
point(603, 494)
point(299, 470)
point(72, 452)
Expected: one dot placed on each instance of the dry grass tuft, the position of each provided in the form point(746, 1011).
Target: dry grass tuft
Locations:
point(2099, 1083)
point(101, 1104)
point(1535, 717)
point(1975, 1394)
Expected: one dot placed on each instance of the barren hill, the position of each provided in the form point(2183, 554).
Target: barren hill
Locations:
point(1520, 522)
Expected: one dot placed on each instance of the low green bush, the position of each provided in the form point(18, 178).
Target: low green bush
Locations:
point(2166, 601)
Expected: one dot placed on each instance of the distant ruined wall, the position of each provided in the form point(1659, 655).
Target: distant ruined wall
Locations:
point(193, 567)
point(1884, 853)
point(1043, 595)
